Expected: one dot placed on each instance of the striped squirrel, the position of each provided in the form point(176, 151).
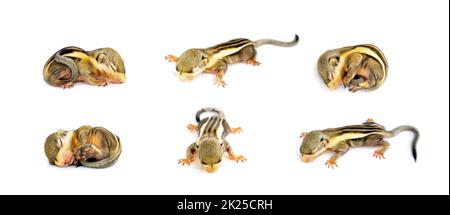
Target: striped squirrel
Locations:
point(72, 64)
point(88, 146)
point(340, 140)
point(216, 59)
point(211, 144)
point(356, 67)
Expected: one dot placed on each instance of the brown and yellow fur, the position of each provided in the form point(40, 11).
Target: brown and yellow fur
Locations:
point(89, 146)
point(211, 144)
point(216, 59)
point(72, 64)
point(340, 140)
point(356, 67)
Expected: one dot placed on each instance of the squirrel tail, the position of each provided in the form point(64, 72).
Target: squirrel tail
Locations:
point(412, 129)
point(211, 110)
point(294, 42)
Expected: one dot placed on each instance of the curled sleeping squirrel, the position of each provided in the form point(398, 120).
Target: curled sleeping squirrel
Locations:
point(211, 144)
point(216, 59)
point(360, 67)
point(88, 146)
point(340, 140)
point(72, 64)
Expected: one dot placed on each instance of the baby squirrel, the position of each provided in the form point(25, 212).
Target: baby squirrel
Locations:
point(72, 64)
point(88, 146)
point(217, 58)
point(211, 144)
point(356, 67)
point(340, 140)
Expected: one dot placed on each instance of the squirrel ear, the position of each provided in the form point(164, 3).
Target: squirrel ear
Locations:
point(205, 58)
point(334, 61)
point(101, 58)
point(324, 142)
point(303, 134)
point(369, 121)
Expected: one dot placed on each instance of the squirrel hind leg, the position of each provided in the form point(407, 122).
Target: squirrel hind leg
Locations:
point(246, 55)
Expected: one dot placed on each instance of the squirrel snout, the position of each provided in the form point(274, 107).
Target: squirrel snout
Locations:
point(306, 158)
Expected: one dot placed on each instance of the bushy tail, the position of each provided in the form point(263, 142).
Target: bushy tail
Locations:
point(402, 128)
point(109, 161)
point(211, 110)
point(294, 42)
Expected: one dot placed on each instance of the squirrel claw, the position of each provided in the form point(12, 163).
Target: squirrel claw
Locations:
point(238, 159)
point(353, 89)
point(185, 162)
point(331, 163)
point(379, 154)
point(171, 58)
point(67, 85)
point(102, 84)
point(253, 62)
point(237, 130)
point(84, 153)
point(220, 83)
point(192, 127)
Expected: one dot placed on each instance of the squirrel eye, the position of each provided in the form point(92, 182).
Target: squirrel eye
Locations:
point(321, 139)
point(334, 61)
point(358, 78)
point(59, 144)
point(101, 58)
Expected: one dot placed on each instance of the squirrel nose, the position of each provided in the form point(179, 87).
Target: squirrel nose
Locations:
point(210, 168)
point(306, 158)
point(68, 160)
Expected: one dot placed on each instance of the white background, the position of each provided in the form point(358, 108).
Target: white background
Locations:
point(273, 103)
